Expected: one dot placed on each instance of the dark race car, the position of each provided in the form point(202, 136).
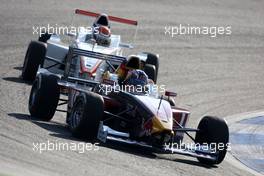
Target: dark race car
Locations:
point(99, 109)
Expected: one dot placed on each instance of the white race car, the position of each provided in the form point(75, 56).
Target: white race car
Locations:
point(50, 51)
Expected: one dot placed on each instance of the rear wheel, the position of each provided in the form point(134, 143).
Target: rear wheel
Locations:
point(44, 97)
point(44, 37)
point(35, 56)
point(85, 115)
point(153, 59)
point(151, 72)
point(213, 131)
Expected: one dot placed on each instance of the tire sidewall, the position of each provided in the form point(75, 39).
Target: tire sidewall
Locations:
point(213, 130)
point(90, 117)
point(47, 93)
point(34, 57)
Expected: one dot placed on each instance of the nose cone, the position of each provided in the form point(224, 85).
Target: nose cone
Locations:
point(162, 116)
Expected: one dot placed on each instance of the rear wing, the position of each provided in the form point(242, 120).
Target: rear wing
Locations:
point(111, 18)
point(75, 52)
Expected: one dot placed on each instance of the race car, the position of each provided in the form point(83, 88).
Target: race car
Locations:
point(98, 109)
point(50, 51)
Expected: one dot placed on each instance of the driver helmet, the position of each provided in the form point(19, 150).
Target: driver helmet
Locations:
point(137, 76)
point(133, 62)
point(102, 36)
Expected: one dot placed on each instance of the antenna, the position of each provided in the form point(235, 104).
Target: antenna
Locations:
point(161, 98)
point(135, 35)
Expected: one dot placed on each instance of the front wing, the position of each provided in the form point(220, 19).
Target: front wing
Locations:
point(105, 134)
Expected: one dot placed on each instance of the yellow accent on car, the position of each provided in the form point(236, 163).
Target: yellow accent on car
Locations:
point(159, 126)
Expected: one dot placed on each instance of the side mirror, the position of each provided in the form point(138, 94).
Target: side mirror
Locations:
point(170, 94)
point(125, 45)
point(71, 34)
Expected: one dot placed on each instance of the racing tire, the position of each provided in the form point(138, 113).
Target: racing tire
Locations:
point(44, 37)
point(151, 72)
point(213, 130)
point(44, 97)
point(85, 115)
point(153, 59)
point(35, 56)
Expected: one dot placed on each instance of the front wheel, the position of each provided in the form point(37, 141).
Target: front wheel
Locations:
point(85, 115)
point(213, 131)
point(44, 97)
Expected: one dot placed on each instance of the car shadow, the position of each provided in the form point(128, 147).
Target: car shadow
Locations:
point(61, 130)
point(189, 162)
point(149, 153)
point(130, 149)
point(57, 129)
point(17, 80)
point(18, 68)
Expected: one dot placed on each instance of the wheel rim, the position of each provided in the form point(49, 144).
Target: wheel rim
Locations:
point(77, 115)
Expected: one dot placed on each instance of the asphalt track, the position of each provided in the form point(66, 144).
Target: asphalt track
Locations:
point(217, 76)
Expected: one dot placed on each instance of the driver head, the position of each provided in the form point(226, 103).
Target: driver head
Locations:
point(133, 62)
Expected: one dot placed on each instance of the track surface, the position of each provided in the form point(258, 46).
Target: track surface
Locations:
point(217, 76)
